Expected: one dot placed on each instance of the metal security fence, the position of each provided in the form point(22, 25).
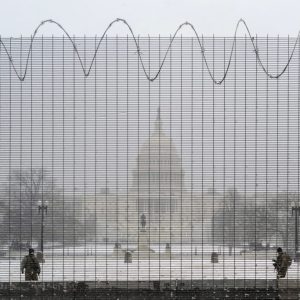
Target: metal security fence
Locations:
point(136, 160)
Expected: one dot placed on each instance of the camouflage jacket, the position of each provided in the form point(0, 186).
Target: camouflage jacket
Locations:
point(282, 263)
point(30, 264)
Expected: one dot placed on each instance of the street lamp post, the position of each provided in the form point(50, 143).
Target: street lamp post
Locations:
point(296, 210)
point(42, 207)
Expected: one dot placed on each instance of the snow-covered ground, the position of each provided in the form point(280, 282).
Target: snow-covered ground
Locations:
point(102, 268)
point(97, 263)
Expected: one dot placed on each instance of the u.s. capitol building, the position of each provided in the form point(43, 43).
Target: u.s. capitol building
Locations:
point(174, 214)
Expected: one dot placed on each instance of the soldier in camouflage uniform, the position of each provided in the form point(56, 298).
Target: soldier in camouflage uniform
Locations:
point(31, 266)
point(282, 263)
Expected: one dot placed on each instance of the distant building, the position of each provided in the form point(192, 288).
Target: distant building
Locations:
point(173, 213)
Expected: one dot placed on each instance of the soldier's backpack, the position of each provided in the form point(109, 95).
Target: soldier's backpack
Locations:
point(286, 260)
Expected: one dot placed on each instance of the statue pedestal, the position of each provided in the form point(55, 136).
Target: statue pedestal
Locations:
point(143, 243)
point(143, 251)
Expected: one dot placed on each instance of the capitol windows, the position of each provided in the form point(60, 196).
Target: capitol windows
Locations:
point(156, 204)
point(156, 162)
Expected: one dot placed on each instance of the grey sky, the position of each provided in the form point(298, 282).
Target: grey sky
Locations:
point(151, 17)
point(73, 148)
point(163, 17)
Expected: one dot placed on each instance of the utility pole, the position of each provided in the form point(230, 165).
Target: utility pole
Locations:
point(296, 211)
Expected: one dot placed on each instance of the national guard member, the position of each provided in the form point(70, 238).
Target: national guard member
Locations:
point(282, 262)
point(31, 266)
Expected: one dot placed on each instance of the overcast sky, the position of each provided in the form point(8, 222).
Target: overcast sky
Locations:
point(154, 17)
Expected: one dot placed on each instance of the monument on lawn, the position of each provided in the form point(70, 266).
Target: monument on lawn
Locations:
point(143, 250)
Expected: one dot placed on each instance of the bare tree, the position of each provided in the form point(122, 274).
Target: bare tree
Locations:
point(21, 221)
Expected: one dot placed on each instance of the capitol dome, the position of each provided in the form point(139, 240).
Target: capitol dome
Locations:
point(158, 178)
